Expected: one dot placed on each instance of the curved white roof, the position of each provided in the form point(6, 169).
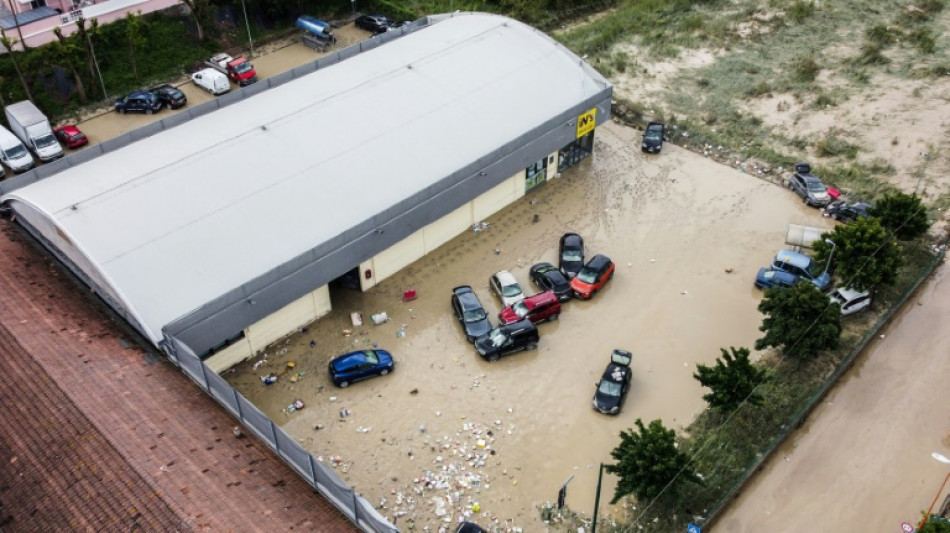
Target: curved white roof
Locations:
point(179, 218)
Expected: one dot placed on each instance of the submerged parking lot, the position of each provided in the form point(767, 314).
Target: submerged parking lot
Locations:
point(687, 235)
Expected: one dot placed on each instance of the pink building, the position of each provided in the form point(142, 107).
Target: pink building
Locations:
point(38, 18)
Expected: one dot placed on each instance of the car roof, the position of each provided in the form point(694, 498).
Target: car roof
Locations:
point(598, 261)
point(655, 125)
point(468, 300)
point(539, 298)
point(779, 274)
point(68, 128)
point(849, 294)
point(462, 289)
point(505, 278)
point(567, 237)
point(795, 258)
point(140, 94)
point(522, 325)
point(810, 178)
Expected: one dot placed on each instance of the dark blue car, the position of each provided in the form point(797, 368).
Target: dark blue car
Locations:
point(140, 101)
point(774, 279)
point(549, 278)
point(357, 366)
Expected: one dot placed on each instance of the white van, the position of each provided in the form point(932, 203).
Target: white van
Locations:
point(212, 81)
point(12, 152)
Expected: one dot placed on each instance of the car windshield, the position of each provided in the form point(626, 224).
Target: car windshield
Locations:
point(371, 357)
point(609, 388)
point(652, 135)
point(242, 68)
point(587, 275)
point(497, 337)
point(474, 315)
point(511, 290)
point(44, 141)
point(520, 309)
point(815, 186)
point(16, 152)
point(815, 270)
point(571, 255)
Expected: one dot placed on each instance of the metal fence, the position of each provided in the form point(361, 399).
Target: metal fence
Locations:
point(315, 472)
point(798, 418)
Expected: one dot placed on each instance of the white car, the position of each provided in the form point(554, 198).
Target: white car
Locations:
point(506, 287)
point(850, 300)
point(212, 81)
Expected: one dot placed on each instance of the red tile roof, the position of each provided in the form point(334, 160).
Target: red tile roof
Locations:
point(98, 435)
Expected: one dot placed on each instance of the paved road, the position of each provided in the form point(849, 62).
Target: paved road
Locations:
point(862, 462)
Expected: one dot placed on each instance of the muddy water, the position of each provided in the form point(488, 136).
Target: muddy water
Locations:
point(674, 224)
point(864, 456)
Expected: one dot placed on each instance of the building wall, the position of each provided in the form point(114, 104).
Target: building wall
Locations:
point(262, 334)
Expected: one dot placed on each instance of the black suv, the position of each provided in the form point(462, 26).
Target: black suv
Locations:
point(373, 23)
point(845, 212)
point(142, 101)
point(170, 95)
point(506, 339)
point(653, 138)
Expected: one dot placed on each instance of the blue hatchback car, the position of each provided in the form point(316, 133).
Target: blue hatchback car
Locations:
point(357, 366)
point(774, 279)
point(802, 266)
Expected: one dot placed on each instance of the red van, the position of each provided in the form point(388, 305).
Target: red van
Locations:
point(538, 307)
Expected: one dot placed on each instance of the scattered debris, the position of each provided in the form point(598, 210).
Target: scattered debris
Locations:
point(379, 318)
point(356, 318)
point(238, 434)
point(296, 406)
point(269, 379)
point(414, 391)
point(362, 429)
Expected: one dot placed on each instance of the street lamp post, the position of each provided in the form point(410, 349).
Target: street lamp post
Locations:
point(944, 460)
point(247, 23)
point(832, 254)
point(600, 478)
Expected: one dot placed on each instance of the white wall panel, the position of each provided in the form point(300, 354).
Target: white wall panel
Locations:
point(398, 256)
point(443, 230)
point(498, 197)
point(230, 356)
point(296, 314)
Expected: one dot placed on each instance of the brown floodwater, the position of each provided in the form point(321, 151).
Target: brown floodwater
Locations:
point(687, 236)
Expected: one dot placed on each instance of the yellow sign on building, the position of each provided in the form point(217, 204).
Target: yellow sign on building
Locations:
point(586, 122)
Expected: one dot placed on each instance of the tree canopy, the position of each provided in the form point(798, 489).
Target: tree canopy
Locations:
point(732, 380)
point(648, 462)
point(865, 254)
point(903, 214)
point(800, 320)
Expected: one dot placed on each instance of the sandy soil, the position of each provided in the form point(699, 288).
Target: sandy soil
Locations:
point(670, 222)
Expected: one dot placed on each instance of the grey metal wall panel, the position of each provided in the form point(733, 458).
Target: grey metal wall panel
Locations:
point(209, 325)
point(146, 131)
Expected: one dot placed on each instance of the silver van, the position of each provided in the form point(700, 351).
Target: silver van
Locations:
point(12, 152)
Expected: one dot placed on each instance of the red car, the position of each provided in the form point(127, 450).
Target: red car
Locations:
point(70, 136)
point(537, 307)
point(593, 276)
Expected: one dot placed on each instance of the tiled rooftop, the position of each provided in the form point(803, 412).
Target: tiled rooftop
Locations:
point(97, 434)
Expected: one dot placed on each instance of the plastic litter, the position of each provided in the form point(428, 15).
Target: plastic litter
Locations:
point(356, 318)
point(269, 379)
point(379, 318)
point(296, 406)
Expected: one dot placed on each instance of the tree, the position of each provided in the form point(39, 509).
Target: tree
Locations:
point(8, 45)
point(648, 462)
point(16, 22)
point(134, 31)
point(85, 37)
point(733, 380)
point(903, 214)
point(865, 254)
point(935, 525)
point(65, 51)
point(800, 320)
point(199, 12)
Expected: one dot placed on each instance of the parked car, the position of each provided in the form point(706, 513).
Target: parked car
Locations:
point(70, 136)
point(653, 138)
point(141, 101)
point(802, 266)
point(374, 23)
point(507, 339)
point(469, 312)
point(506, 287)
point(548, 278)
point(170, 95)
point(845, 212)
point(212, 81)
point(850, 300)
point(767, 278)
point(614, 384)
point(808, 186)
point(536, 308)
point(357, 366)
point(593, 276)
point(571, 254)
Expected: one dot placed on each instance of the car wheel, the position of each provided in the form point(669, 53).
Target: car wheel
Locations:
point(493, 357)
point(121, 110)
point(805, 201)
point(789, 184)
point(344, 384)
point(383, 372)
point(553, 317)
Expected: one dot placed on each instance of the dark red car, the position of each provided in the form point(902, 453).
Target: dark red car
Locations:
point(70, 136)
point(537, 307)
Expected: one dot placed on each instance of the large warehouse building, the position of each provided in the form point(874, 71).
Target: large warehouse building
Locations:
point(225, 231)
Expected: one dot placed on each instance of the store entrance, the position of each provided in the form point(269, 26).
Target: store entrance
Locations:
point(575, 152)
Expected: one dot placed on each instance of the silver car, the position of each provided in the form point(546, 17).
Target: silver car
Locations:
point(810, 188)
